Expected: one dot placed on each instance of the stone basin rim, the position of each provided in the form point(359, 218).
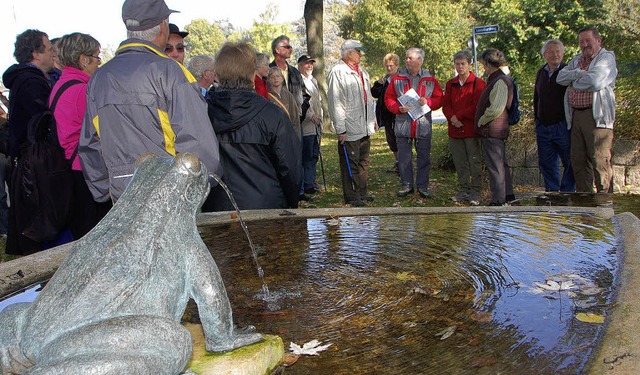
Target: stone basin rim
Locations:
point(619, 352)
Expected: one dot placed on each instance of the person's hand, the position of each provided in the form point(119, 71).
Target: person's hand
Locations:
point(403, 109)
point(342, 137)
point(381, 80)
point(376, 127)
point(422, 101)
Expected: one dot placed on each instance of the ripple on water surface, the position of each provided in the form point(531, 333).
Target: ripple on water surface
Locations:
point(432, 294)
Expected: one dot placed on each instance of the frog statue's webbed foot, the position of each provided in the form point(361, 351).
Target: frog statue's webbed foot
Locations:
point(242, 336)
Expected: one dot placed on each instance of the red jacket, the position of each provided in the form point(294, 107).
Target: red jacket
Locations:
point(428, 88)
point(462, 101)
point(261, 87)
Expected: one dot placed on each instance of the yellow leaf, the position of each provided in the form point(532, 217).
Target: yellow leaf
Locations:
point(590, 318)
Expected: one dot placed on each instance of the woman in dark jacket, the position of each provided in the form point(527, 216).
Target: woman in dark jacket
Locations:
point(383, 116)
point(259, 150)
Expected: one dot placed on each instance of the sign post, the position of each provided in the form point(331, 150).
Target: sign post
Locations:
point(479, 30)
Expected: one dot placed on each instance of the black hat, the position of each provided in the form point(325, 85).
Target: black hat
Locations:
point(147, 13)
point(173, 29)
point(305, 58)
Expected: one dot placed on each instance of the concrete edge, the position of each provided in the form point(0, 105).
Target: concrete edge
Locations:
point(619, 352)
point(21, 273)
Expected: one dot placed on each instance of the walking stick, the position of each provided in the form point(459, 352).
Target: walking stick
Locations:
point(321, 162)
point(346, 155)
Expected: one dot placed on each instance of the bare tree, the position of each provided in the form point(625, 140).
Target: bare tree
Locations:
point(313, 17)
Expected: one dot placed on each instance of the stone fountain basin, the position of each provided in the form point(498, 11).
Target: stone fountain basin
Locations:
point(619, 352)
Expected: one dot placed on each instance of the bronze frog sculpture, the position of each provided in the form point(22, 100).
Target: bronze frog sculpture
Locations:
point(114, 305)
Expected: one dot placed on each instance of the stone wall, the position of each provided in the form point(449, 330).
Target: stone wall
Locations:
point(523, 159)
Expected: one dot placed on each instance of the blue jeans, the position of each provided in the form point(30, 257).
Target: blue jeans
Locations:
point(554, 144)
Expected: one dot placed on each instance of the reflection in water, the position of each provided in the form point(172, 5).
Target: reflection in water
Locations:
point(433, 294)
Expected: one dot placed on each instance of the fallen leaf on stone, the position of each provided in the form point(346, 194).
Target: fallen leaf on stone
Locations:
point(233, 216)
point(313, 347)
point(447, 332)
point(590, 318)
point(290, 359)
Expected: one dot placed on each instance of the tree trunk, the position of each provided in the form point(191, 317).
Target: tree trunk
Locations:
point(313, 18)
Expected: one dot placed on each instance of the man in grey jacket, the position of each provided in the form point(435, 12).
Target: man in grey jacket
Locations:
point(142, 102)
point(353, 116)
point(590, 106)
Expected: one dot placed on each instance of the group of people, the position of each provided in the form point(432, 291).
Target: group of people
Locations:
point(574, 110)
point(256, 125)
point(145, 100)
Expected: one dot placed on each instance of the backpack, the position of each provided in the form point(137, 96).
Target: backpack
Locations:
point(42, 180)
point(514, 110)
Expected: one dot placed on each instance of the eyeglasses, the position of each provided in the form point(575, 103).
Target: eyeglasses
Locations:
point(287, 47)
point(169, 48)
point(96, 57)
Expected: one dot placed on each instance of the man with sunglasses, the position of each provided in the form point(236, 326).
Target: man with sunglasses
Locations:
point(175, 45)
point(130, 114)
point(282, 49)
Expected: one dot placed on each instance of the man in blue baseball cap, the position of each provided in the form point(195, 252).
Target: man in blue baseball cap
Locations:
point(129, 113)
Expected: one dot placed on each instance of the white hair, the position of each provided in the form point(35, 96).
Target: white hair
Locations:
point(198, 65)
point(148, 35)
point(417, 51)
point(549, 42)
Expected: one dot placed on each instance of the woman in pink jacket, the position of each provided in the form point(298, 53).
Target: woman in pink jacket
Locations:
point(79, 54)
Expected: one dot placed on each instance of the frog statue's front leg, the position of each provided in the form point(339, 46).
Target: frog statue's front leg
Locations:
point(121, 345)
point(12, 319)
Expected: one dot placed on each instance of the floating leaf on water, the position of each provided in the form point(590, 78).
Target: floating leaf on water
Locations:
point(405, 276)
point(447, 332)
point(313, 347)
point(333, 222)
point(590, 318)
point(486, 361)
point(418, 290)
point(482, 316)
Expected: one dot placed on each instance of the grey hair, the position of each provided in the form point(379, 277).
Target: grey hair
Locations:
point(71, 46)
point(262, 59)
point(148, 35)
point(199, 64)
point(549, 42)
point(464, 54)
point(418, 51)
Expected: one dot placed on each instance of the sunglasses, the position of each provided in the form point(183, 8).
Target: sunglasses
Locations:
point(169, 48)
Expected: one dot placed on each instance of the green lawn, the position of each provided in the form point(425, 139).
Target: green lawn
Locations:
point(383, 185)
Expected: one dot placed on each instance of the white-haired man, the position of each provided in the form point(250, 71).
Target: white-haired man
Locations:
point(353, 116)
point(201, 66)
point(129, 113)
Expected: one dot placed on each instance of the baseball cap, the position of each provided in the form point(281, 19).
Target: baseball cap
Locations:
point(305, 58)
point(173, 29)
point(352, 44)
point(147, 13)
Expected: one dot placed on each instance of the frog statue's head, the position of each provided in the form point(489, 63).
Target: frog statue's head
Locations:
point(181, 182)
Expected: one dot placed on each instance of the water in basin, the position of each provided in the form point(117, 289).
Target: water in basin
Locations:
point(430, 294)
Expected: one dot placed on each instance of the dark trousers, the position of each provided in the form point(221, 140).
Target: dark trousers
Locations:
point(554, 145)
point(85, 212)
point(390, 135)
point(310, 155)
point(354, 184)
point(499, 173)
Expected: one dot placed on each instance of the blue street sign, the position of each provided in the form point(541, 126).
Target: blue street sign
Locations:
point(486, 29)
